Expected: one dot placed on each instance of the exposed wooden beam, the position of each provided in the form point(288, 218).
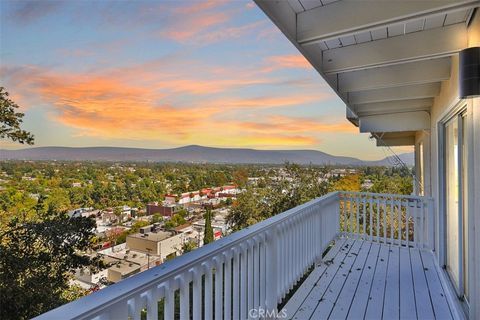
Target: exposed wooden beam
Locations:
point(397, 75)
point(398, 122)
point(396, 142)
point(393, 107)
point(434, 43)
point(420, 91)
point(345, 18)
point(351, 116)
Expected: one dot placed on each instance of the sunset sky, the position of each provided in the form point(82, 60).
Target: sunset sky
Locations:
point(166, 74)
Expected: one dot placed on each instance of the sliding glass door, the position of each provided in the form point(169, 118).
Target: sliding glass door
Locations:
point(456, 216)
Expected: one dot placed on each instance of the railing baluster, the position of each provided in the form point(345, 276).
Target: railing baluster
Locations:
point(399, 222)
point(430, 224)
point(364, 218)
point(218, 287)
point(371, 217)
point(352, 230)
point(184, 299)
point(377, 199)
point(227, 297)
point(152, 304)
point(357, 211)
point(384, 202)
point(392, 220)
point(169, 306)
point(197, 293)
point(236, 284)
point(256, 273)
point(250, 276)
point(415, 223)
point(208, 291)
point(407, 222)
point(263, 271)
point(422, 228)
point(272, 280)
point(243, 282)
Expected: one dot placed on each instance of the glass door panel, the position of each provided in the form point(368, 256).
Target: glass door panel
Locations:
point(452, 197)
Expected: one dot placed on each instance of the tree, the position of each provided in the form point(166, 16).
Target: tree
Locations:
point(208, 233)
point(36, 258)
point(189, 246)
point(10, 121)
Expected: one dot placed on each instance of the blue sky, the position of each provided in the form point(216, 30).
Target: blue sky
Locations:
point(166, 74)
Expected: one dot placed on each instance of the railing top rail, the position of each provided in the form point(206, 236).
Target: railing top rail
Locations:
point(401, 196)
point(91, 304)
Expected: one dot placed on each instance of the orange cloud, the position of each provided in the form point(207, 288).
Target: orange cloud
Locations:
point(228, 33)
point(270, 102)
point(142, 103)
point(283, 124)
point(286, 61)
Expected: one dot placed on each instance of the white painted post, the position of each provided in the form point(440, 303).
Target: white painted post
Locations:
point(152, 304)
point(197, 293)
point(169, 306)
point(236, 284)
point(431, 224)
point(218, 287)
point(184, 298)
point(250, 245)
point(227, 304)
point(271, 268)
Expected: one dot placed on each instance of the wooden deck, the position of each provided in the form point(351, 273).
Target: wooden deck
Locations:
point(363, 280)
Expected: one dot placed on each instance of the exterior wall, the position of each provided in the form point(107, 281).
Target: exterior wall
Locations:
point(170, 245)
point(444, 103)
point(163, 210)
point(143, 245)
point(160, 248)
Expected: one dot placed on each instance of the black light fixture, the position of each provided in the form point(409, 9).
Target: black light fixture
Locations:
point(469, 72)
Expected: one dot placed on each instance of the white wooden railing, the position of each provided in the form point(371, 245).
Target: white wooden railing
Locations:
point(252, 269)
point(255, 268)
point(388, 218)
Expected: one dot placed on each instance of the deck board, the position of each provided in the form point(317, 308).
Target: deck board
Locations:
point(365, 280)
point(422, 294)
point(310, 303)
point(301, 294)
point(360, 300)
point(391, 302)
point(347, 294)
point(437, 295)
point(329, 299)
point(377, 293)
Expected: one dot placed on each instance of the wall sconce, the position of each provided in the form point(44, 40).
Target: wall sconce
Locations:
point(469, 72)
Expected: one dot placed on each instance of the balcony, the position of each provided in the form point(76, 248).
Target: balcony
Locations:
point(344, 255)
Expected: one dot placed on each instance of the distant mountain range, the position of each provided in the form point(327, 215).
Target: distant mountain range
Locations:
point(194, 154)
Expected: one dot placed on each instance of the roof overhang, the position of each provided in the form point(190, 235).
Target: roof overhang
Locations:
point(384, 59)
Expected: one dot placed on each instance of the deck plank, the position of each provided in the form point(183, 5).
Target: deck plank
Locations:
point(391, 303)
point(408, 308)
point(329, 299)
point(301, 294)
point(377, 293)
point(360, 300)
point(308, 306)
point(422, 295)
point(367, 280)
point(439, 301)
point(347, 294)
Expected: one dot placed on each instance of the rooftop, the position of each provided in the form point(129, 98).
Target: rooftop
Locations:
point(153, 236)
